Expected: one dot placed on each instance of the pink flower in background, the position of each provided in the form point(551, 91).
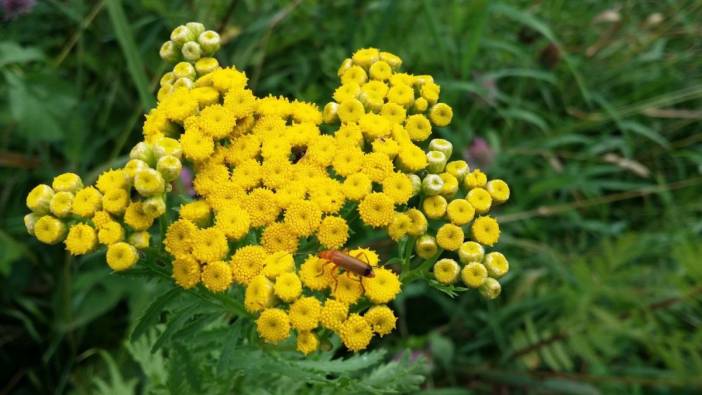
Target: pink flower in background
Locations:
point(186, 177)
point(13, 8)
point(479, 154)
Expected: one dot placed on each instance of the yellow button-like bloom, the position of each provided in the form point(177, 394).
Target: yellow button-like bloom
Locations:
point(61, 204)
point(110, 233)
point(186, 272)
point(259, 294)
point(356, 333)
point(446, 271)
point(67, 182)
point(121, 256)
point(333, 314)
point(474, 274)
point(471, 251)
point(307, 342)
point(112, 179)
point(305, 313)
point(499, 190)
point(485, 230)
point(382, 287)
point(233, 221)
point(303, 217)
point(49, 230)
point(279, 237)
point(399, 227)
point(86, 202)
point(377, 209)
point(356, 186)
point(333, 232)
point(440, 114)
point(434, 206)
point(179, 237)
point(115, 201)
point(316, 273)
point(273, 325)
point(197, 212)
point(449, 237)
point(247, 262)
point(398, 187)
point(381, 319)
point(136, 218)
point(480, 199)
point(419, 222)
point(81, 239)
point(350, 110)
point(460, 212)
point(217, 276)
point(347, 288)
point(475, 179)
point(278, 263)
point(418, 127)
point(496, 264)
point(209, 244)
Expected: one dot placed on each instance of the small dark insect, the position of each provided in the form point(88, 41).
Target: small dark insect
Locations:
point(348, 263)
point(298, 153)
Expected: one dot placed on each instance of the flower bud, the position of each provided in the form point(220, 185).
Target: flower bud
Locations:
point(458, 168)
point(490, 289)
point(416, 183)
point(184, 70)
point(446, 271)
point(39, 199)
point(393, 60)
point(206, 65)
point(441, 145)
point(345, 65)
point(426, 246)
point(183, 83)
point(68, 182)
point(169, 166)
point(196, 28)
point(209, 41)
point(49, 230)
point(133, 167)
point(181, 35)
point(164, 91)
point(474, 274)
point(144, 152)
point(167, 79)
point(191, 51)
point(470, 251)
point(437, 161)
point(167, 146)
point(140, 240)
point(450, 184)
point(432, 184)
point(420, 104)
point(29, 221)
point(149, 182)
point(418, 225)
point(330, 112)
point(497, 264)
point(154, 206)
point(61, 204)
point(169, 52)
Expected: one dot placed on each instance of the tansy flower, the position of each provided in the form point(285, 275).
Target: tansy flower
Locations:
point(307, 342)
point(348, 160)
point(393, 60)
point(303, 217)
point(376, 166)
point(450, 186)
point(327, 194)
point(233, 221)
point(67, 182)
point(136, 218)
point(217, 276)
point(350, 110)
point(304, 313)
point(349, 134)
point(209, 178)
point(243, 148)
point(209, 244)
point(315, 273)
point(121, 256)
point(458, 168)
point(179, 237)
point(374, 126)
point(490, 289)
point(197, 146)
point(401, 94)
point(356, 186)
point(240, 102)
point(382, 287)
point(205, 95)
point(496, 264)
point(376, 209)
point(380, 70)
point(347, 288)
point(333, 314)
point(446, 271)
point(356, 333)
point(499, 190)
point(101, 218)
point(434, 206)
point(354, 74)
point(460, 212)
point(474, 274)
point(377, 88)
point(449, 237)
point(259, 294)
point(365, 57)
point(110, 233)
point(216, 121)
point(247, 262)
point(275, 171)
point(480, 199)
point(321, 150)
point(430, 92)
point(471, 251)
point(112, 179)
point(197, 212)
point(247, 174)
point(225, 195)
point(86, 202)
point(366, 256)
point(186, 272)
point(440, 114)
point(279, 237)
point(398, 187)
point(179, 105)
point(394, 112)
point(418, 127)
point(333, 232)
point(278, 263)
point(61, 204)
point(261, 206)
point(291, 193)
point(485, 230)
point(399, 226)
point(39, 199)
point(402, 79)
point(49, 230)
point(411, 158)
point(273, 325)
point(381, 319)
point(140, 240)
point(387, 146)
point(115, 201)
point(81, 239)
point(419, 224)
point(475, 179)
point(345, 92)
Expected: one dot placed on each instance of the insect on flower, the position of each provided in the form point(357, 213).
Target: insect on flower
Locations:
point(347, 262)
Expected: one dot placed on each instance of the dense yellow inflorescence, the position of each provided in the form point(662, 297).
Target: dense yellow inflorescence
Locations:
point(269, 183)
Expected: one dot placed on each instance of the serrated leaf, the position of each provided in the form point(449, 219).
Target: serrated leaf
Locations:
point(151, 314)
point(176, 322)
point(356, 362)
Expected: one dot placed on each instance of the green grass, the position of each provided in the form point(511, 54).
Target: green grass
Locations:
point(594, 125)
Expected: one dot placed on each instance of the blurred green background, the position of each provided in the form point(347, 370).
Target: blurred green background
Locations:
point(589, 109)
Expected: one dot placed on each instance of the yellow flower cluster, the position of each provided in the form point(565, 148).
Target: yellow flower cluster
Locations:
point(116, 212)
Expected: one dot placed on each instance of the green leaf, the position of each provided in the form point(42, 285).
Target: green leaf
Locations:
point(36, 120)
point(11, 251)
point(151, 314)
point(356, 362)
point(11, 52)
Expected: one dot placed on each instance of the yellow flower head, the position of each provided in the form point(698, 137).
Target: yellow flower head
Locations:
point(101, 218)
point(278, 263)
point(374, 126)
point(216, 121)
point(240, 102)
point(316, 273)
point(475, 179)
point(186, 272)
point(485, 230)
point(259, 294)
point(303, 217)
point(333, 232)
point(273, 325)
point(67, 182)
point(307, 342)
point(81, 239)
point(305, 313)
point(275, 171)
point(381, 319)
point(474, 274)
point(179, 237)
point(376, 166)
point(261, 206)
point(115, 201)
point(480, 199)
point(419, 222)
point(411, 158)
point(39, 199)
point(121, 256)
point(382, 287)
point(354, 74)
point(398, 187)
point(434, 206)
point(247, 262)
point(197, 212)
point(61, 204)
point(449, 237)
point(356, 186)
point(348, 160)
point(460, 212)
point(496, 264)
point(418, 127)
point(217, 276)
point(365, 255)
point(377, 210)
point(197, 146)
point(136, 218)
point(279, 237)
point(499, 190)
point(110, 233)
point(400, 226)
point(49, 230)
point(356, 333)
point(490, 289)
point(233, 221)
point(347, 288)
point(209, 244)
point(86, 202)
point(393, 112)
point(349, 134)
point(380, 70)
point(350, 110)
point(327, 194)
point(401, 94)
point(179, 105)
point(446, 271)
point(333, 314)
point(112, 179)
point(471, 251)
point(140, 240)
point(440, 114)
